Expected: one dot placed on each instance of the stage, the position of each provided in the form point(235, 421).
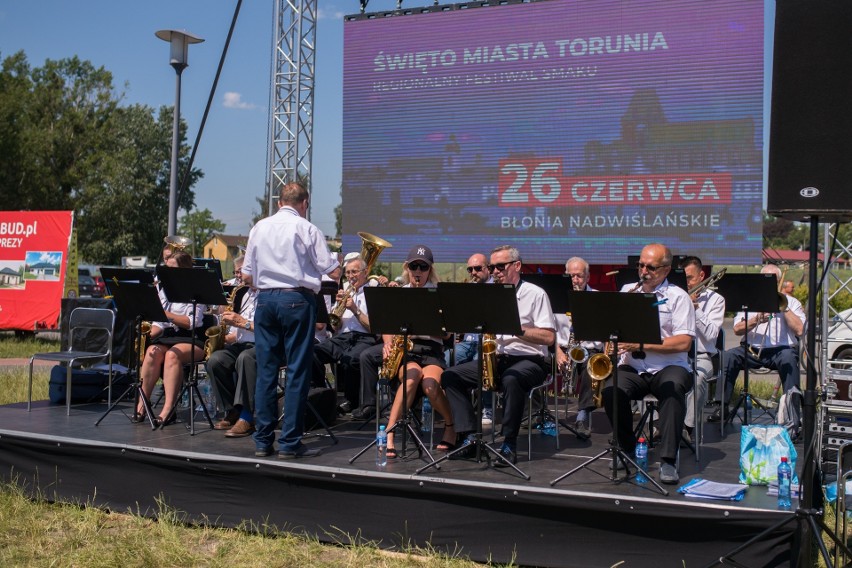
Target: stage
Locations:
point(465, 508)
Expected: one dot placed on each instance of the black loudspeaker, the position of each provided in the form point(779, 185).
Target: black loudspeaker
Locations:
point(810, 137)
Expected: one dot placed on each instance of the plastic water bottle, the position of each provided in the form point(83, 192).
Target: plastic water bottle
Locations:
point(548, 427)
point(748, 408)
point(382, 447)
point(785, 476)
point(426, 415)
point(641, 460)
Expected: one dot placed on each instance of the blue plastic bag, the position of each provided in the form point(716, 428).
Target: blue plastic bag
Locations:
point(761, 449)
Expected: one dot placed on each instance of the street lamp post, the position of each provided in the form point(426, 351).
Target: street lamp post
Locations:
point(180, 41)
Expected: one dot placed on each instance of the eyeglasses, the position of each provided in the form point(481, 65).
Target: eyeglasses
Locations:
point(352, 272)
point(501, 266)
point(569, 275)
point(421, 266)
point(649, 267)
point(472, 269)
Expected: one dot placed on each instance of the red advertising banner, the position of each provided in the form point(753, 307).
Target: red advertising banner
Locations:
point(33, 260)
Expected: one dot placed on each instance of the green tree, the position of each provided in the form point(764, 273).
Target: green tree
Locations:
point(67, 143)
point(199, 226)
point(126, 214)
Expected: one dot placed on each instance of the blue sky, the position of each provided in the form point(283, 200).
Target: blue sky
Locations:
point(119, 36)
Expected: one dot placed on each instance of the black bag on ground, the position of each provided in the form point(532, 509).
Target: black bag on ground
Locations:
point(87, 385)
point(324, 401)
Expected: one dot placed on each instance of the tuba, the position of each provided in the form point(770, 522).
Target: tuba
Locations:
point(489, 362)
point(371, 247)
point(390, 366)
point(216, 333)
point(177, 242)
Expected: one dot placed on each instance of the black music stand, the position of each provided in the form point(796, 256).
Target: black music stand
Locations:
point(113, 277)
point(192, 286)
point(558, 288)
point(211, 263)
point(614, 317)
point(749, 293)
point(485, 308)
point(139, 302)
point(403, 311)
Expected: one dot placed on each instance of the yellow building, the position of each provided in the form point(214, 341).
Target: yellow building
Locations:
point(225, 248)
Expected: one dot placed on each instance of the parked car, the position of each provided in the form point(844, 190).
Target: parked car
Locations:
point(86, 286)
point(839, 336)
point(99, 283)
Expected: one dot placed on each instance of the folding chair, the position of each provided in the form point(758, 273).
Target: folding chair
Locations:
point(91, 319)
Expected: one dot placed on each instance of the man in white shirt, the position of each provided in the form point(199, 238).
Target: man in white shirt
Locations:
point(352, 335)
point(286, 257)
point(522, 360)
point(663, 369)
point(709, 315)
point(774, 342)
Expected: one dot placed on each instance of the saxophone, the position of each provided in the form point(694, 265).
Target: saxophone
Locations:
point(216, 333)
point(599, 365)
point(390, 366)
point(142, 340)
point(489, 362)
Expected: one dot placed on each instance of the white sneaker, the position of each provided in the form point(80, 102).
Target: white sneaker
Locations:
point(487, 416)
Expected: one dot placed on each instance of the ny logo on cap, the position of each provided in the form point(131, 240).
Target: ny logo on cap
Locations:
point(421, 251)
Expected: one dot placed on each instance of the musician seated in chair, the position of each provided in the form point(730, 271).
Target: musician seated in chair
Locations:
point(773, 342)
point(233, 369)
point(171, 346)
point(709, 316)
point(522, 360)
point(662, 370)
point(426, 357)
point(351, 337)
point(577, 270)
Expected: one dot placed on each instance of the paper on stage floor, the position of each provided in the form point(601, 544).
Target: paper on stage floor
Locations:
point(705, 489)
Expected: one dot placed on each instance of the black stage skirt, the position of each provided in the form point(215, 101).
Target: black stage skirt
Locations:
point(171, 337)
point(426, 353)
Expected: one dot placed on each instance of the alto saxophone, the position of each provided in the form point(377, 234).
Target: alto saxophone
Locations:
point(599, 365)
point(489, 362)
point(390, 366)
point(142, 340)
point(216, 333)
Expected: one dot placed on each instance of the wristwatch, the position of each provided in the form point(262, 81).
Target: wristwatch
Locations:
point(247, 325)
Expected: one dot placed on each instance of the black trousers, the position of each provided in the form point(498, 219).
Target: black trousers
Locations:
point(234, 373)
point(345, 350)
point(669, 385)
point(518, 375)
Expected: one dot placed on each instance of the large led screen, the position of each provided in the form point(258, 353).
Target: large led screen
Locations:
point(579, 127)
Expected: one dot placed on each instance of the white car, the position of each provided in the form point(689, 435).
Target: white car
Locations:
point(839, 336)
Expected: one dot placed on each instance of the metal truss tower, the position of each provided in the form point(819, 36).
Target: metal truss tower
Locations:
point(292, 99)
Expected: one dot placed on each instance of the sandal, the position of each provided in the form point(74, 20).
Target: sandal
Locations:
point(443, 445)
point(391, 453)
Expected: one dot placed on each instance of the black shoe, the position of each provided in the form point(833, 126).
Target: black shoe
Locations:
point(302, 452)
point(719, 414)
point(508, 453)
point(466, 450)
point(364, 413)
point(264, 452)
point(345, 407)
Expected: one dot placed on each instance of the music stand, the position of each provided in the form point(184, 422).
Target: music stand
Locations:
point(749, 293)
point(558, 288)
point(138, 302)
point(114, 276)
point(210, 263)
point(481, 309)
point(614, 317)
point(403, 311)
point(192, 286)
